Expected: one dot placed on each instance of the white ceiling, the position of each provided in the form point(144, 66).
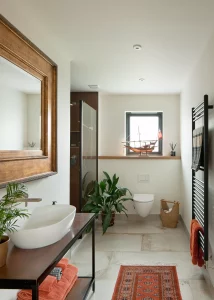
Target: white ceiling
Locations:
point(15, 78)
point(99, 37)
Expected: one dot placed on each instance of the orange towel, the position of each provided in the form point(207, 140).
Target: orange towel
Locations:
point(59, 290)
point(195, 250)
point(47, 284)
point(62, 263)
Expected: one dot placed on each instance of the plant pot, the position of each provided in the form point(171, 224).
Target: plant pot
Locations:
point(3, 250)
point(112, 219)
point(172, 153)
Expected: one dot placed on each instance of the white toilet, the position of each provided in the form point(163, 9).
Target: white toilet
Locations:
point(143, 204)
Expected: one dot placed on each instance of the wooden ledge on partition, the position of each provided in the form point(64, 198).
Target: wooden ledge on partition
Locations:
point(140, 157)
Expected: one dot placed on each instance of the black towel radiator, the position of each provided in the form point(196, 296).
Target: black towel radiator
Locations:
point(200, 187)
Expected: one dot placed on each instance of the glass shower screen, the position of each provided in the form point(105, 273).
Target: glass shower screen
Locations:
point(88, 151)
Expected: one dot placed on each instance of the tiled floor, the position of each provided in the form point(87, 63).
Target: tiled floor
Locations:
point(142, 242)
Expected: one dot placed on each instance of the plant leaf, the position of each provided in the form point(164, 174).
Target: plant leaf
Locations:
point(89, 207)
point(96, 188)
point(108, 179)
point(106, 195)
point(125, 213)
point(119, 207)
point(106, 221)
point(125, 199)
point(103, 185)
point(9, 213)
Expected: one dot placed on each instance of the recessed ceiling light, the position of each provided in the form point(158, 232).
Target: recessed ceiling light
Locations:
point(137, 47)
point(93, 86)
point(141, 79)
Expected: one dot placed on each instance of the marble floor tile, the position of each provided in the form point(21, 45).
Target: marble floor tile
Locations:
point(118, 242)
point(179, 228)
point(9, 294)
point(138, 225)
point(181, 260)
point(167, 241)
point(120, 227)
point(115, 242)
point(150, 224)
point(105, 284)
point(186, 292)
point(200, 290)
point(83, 260)
point(144, 227)
point(140, 242)
point(104, 290)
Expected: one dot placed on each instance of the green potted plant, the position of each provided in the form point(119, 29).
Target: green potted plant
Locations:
point(9, 213)
point(87, 188)
point(107, 199)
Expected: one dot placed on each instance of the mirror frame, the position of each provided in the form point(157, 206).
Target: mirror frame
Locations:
point(27, 165)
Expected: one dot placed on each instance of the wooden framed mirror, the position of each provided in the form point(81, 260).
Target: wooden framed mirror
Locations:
point(28, 112)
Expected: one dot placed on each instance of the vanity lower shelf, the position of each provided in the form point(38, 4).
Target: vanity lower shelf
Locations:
point(80, 288)
point(26, 269)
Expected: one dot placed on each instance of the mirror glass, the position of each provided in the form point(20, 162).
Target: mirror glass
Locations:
point(20, 108)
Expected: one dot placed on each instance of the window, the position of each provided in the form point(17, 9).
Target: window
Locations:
point(144, 127)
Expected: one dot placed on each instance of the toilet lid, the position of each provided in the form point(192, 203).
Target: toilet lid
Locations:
point(143, 198)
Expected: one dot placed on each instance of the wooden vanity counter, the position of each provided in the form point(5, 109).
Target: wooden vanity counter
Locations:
point(26, 269)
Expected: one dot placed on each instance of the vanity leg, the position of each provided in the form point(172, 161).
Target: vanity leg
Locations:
point(93, 255)
point(35, 292)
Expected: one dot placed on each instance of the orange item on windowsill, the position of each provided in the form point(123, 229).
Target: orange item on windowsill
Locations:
point(195, 250)
point(50, 288)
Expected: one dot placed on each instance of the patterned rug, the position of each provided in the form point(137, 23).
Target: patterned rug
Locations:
point(147, 283)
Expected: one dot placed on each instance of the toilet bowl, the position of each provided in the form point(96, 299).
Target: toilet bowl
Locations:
point(143, 204)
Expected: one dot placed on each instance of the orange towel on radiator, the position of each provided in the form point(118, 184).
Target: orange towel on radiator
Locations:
point(195, 250)
point(51, 289)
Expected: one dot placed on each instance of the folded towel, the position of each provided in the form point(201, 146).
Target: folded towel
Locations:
point(47, 284)
point(60, 289)
point(197, 148)
point(56, 272)
point(64, 285)
point(195, 250)
point(167, 211)
point(62, 263)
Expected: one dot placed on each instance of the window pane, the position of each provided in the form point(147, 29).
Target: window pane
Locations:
point(144, 128)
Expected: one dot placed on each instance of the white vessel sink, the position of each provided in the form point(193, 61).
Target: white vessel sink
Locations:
point(46, 225)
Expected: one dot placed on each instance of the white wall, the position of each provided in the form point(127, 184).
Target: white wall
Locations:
point(20, 121)
point(112, 119)
point(164, 180)
point(34, 119)
point(164, 174)
point(13, 119)
point(199, 83)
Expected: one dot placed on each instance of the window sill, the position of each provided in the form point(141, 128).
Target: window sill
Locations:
point(140, 157)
